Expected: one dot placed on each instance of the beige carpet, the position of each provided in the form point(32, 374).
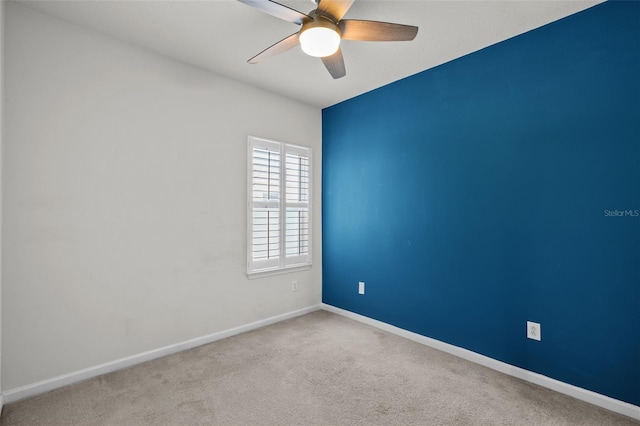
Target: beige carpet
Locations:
point(319, 369)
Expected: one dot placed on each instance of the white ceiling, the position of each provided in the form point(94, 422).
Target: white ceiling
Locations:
point(220, 35)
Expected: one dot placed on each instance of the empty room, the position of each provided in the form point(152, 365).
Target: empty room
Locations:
point(333, 212)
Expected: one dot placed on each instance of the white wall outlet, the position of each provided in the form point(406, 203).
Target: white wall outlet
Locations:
point(361, 287)
point(294, 285)
point(533, 330)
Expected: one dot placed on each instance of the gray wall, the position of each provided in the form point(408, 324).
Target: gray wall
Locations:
point(1, 160)
point(125, 200)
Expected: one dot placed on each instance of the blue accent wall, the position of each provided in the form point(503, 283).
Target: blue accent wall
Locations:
point(471, 198)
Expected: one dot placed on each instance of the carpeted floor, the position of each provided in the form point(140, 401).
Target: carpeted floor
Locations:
point(318, 369)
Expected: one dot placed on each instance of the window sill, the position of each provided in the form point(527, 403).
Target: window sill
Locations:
point(278, 271)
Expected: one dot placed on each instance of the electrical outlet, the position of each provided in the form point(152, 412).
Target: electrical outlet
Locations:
point(533, 330)
point(361, 287)
point(294, 285)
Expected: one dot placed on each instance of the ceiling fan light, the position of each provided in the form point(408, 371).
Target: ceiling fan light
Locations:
point(319, 41)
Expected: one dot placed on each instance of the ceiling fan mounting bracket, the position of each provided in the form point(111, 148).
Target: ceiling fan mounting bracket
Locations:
point(319, 21)
point(319, 14)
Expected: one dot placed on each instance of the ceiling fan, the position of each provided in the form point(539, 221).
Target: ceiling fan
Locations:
point(322, 30)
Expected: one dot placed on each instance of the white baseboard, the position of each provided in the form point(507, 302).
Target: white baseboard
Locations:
point(594, 398)
point(21, 392)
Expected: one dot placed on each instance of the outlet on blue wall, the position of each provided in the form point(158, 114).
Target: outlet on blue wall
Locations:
point(472, 197)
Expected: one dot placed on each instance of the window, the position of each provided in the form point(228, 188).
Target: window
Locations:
point(278, 208)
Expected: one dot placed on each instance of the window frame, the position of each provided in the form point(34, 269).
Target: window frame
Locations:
point(283, 264)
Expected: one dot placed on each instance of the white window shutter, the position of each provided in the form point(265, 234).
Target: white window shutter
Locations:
point(279, 206)
point(297, 212)
point(264, 204)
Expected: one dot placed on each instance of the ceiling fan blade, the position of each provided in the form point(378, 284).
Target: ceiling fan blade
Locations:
point(354, 29)
point(334, 9)
point(280, 47)
point(278, 10)
point(335, 64)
